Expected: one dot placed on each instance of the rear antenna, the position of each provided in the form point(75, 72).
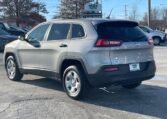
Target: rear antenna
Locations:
point(109, 14)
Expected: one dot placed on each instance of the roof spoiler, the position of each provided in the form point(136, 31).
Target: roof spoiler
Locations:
point(119, 23)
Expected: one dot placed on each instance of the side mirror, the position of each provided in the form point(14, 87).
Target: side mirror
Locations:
point(22, 38)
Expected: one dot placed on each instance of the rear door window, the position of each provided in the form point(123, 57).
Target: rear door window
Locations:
point(77, 31)
point(59, 32)
point(125, 31)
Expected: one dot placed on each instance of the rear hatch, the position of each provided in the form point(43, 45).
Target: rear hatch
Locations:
point(128, 43)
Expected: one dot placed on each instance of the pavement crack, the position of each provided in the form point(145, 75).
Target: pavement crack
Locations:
point(6, 108)
point(24, 100)
point(32, 99)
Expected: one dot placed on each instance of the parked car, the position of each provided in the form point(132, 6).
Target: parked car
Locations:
point(157, 36)
point(18, 29)
point(82, 54)
point(26, 29)
point(5, 38)
point(7, 28)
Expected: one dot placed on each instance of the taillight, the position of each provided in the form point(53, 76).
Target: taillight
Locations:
point(108, 43)
point(111, 69)
point(150, 41)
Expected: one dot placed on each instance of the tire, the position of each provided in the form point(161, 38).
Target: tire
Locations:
point(132, 86)
point(12, 69)
point(75, 83)
point(157, 40)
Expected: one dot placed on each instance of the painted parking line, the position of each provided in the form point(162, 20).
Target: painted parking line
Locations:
point(160, 77)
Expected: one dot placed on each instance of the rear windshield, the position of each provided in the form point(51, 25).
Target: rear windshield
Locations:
point(125, 31)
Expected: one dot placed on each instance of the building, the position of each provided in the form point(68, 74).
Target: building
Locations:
point(93, 9)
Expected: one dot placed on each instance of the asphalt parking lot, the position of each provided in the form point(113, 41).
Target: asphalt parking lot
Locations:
point(42, 98)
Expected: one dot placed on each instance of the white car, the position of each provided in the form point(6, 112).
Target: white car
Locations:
point(157, 36)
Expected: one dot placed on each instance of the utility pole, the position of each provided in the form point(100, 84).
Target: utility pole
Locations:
point(126, 11)
point(149, 13)
point(17, 12)
point(101, 9)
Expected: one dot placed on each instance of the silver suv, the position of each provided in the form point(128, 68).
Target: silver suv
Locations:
point(157, 36)
point(82, 54)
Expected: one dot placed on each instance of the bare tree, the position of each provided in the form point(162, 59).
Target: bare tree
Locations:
point(155, 14)
point(19, 8)
point(158, 19)
point(164, 16)
point(134, 13)
point(145, 18)
point(71, 8)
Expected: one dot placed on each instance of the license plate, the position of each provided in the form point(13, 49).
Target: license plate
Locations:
point(134, 67)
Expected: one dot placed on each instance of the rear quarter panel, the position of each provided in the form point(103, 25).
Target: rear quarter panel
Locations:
point(84, 49)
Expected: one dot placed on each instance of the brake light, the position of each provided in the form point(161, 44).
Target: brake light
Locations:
point(150, 41)
point(111, 69)
point(108, 43)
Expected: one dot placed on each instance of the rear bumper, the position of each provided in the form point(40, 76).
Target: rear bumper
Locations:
point(123, 75)
point(164, 38)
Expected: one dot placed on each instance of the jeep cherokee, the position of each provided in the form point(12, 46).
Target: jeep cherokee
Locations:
point(83, 53)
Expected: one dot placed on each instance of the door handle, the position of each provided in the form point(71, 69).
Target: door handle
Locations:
point(63, 45)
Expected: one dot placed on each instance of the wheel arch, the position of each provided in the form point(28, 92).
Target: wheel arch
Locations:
point(68, 62)
point(9, 54)
point(157, 37)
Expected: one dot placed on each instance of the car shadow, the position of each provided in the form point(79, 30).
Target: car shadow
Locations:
point(146, 100)
point(45, 83)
